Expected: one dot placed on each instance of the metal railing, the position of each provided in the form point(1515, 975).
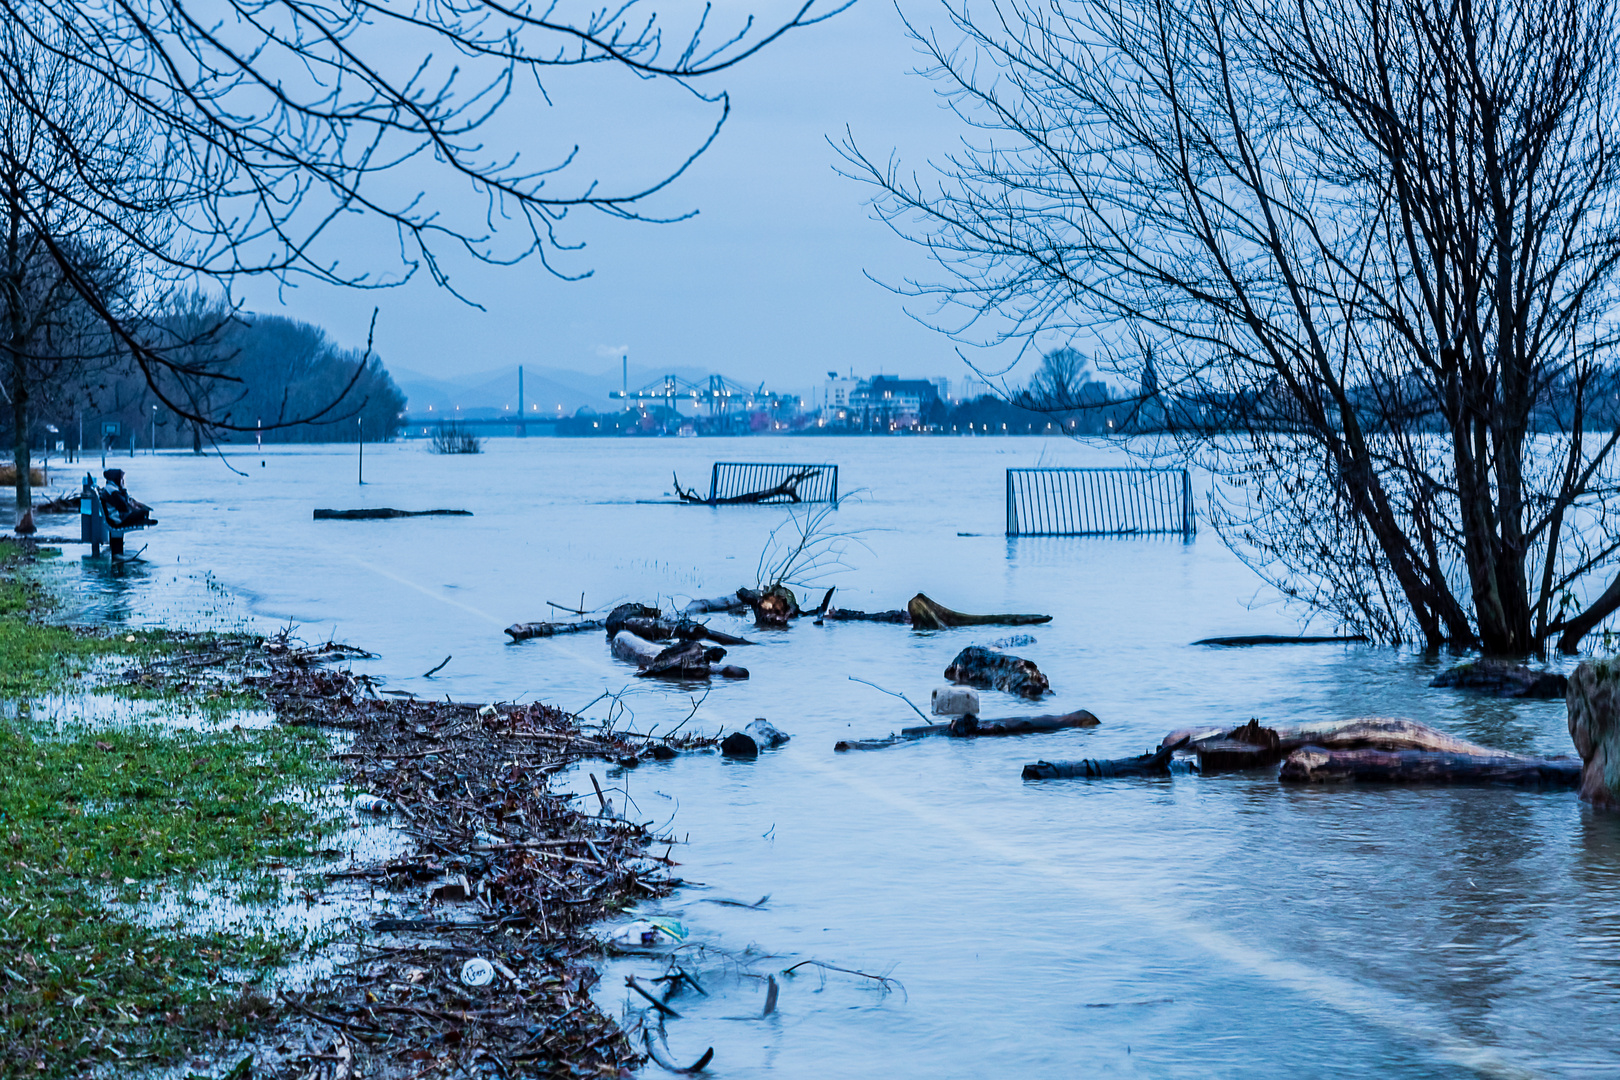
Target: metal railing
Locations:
point(1099, 502)
point(811, 483)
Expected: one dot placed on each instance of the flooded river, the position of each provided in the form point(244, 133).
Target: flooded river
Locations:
point(1179, 928)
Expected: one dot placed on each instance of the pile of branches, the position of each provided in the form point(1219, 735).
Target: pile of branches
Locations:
point(489, 968)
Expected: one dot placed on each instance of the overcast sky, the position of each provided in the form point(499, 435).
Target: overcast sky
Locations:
point(767, 282)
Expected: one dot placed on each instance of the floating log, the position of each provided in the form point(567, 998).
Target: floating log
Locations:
point(1154, 764)
point(1504, 678)
point(718, 603)
point(926, 614)
point(1280, 639)
point(526, 630)
point(1594, 725)
point(663, 629)
point(968, 727)
point(979, 666)
point(383, 513)
point(847, 615)
point(1313, 765)
point(617, 617)
point(1252, 746)
point(637, 650)
point(686, 660)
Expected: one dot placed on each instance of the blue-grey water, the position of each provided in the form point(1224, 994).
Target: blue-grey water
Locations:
point(1187, 927)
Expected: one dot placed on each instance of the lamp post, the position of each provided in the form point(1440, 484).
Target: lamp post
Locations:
point(154, 431)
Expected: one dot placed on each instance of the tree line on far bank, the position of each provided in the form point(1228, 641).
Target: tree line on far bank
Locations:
point(238, 367)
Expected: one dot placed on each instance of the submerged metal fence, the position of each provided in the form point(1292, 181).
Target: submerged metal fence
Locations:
point(812, 483)
point(1099, 502)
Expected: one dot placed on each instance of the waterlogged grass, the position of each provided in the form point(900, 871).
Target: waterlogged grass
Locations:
point(94, 818)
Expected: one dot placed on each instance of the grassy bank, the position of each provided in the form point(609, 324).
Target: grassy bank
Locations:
point(95, 817)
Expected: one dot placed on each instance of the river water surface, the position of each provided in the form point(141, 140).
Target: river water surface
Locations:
point(1187, 927)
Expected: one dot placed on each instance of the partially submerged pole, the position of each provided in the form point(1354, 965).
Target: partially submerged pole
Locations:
point(360, 436)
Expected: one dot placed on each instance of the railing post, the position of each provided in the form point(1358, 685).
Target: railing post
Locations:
point(1188, 529)
point(1012, 520)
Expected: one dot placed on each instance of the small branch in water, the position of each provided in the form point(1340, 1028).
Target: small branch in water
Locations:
point(572, 611)
point(770, 996)
point(696, 1067)
point(891, 693)
point(881, 980)
point(630, 981)
point(430, 673)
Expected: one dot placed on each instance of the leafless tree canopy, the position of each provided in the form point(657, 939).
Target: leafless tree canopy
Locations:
point(1370, 247)
point(196, 143)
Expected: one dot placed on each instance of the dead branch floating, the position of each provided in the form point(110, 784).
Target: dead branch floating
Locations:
point(384, 513)
point(524, 631)
point(787, 490)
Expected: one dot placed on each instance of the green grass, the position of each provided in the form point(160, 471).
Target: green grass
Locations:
point(94, 815)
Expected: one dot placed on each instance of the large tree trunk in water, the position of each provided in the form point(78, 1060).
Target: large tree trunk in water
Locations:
point(1314, 765)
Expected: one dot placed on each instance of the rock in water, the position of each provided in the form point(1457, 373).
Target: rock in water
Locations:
point(1504, 679)
point(1594, 724)
point(978, 666)
point(747, 743)
point(765, 733)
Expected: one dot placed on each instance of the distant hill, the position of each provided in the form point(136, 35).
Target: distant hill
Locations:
point(494, 391)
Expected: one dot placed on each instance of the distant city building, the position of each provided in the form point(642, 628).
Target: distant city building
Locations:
point(886, 403)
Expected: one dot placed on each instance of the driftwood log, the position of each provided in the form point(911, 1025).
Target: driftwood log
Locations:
point(982, 667)
point(1313, 765)
point(718, 603)
point(384, 513)
point(683, 660)
point(969, 727)
point(1504, 678)
point(926, 614)
point(524, 631)
point(848, 615)
point(1594, 724)
point(1252, 746)
point(1154, 764)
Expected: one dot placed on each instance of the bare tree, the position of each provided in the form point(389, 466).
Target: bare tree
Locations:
point(265, 132)
point(1370, 248)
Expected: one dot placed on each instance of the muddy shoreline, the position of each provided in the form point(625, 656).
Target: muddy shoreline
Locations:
point(475, 950)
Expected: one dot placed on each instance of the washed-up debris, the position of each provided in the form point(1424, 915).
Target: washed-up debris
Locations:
point(1011, 641)
point(757, 736)
point(1281, 639)
point(926, 614)
point(1504, 678)
point(370, 804)
point(511, 875)
point(648, 934)
point(978, 666)
point(683, 660)
point(477, 972)
point(384, 513)
point(967, 727)
point(1153, 764)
